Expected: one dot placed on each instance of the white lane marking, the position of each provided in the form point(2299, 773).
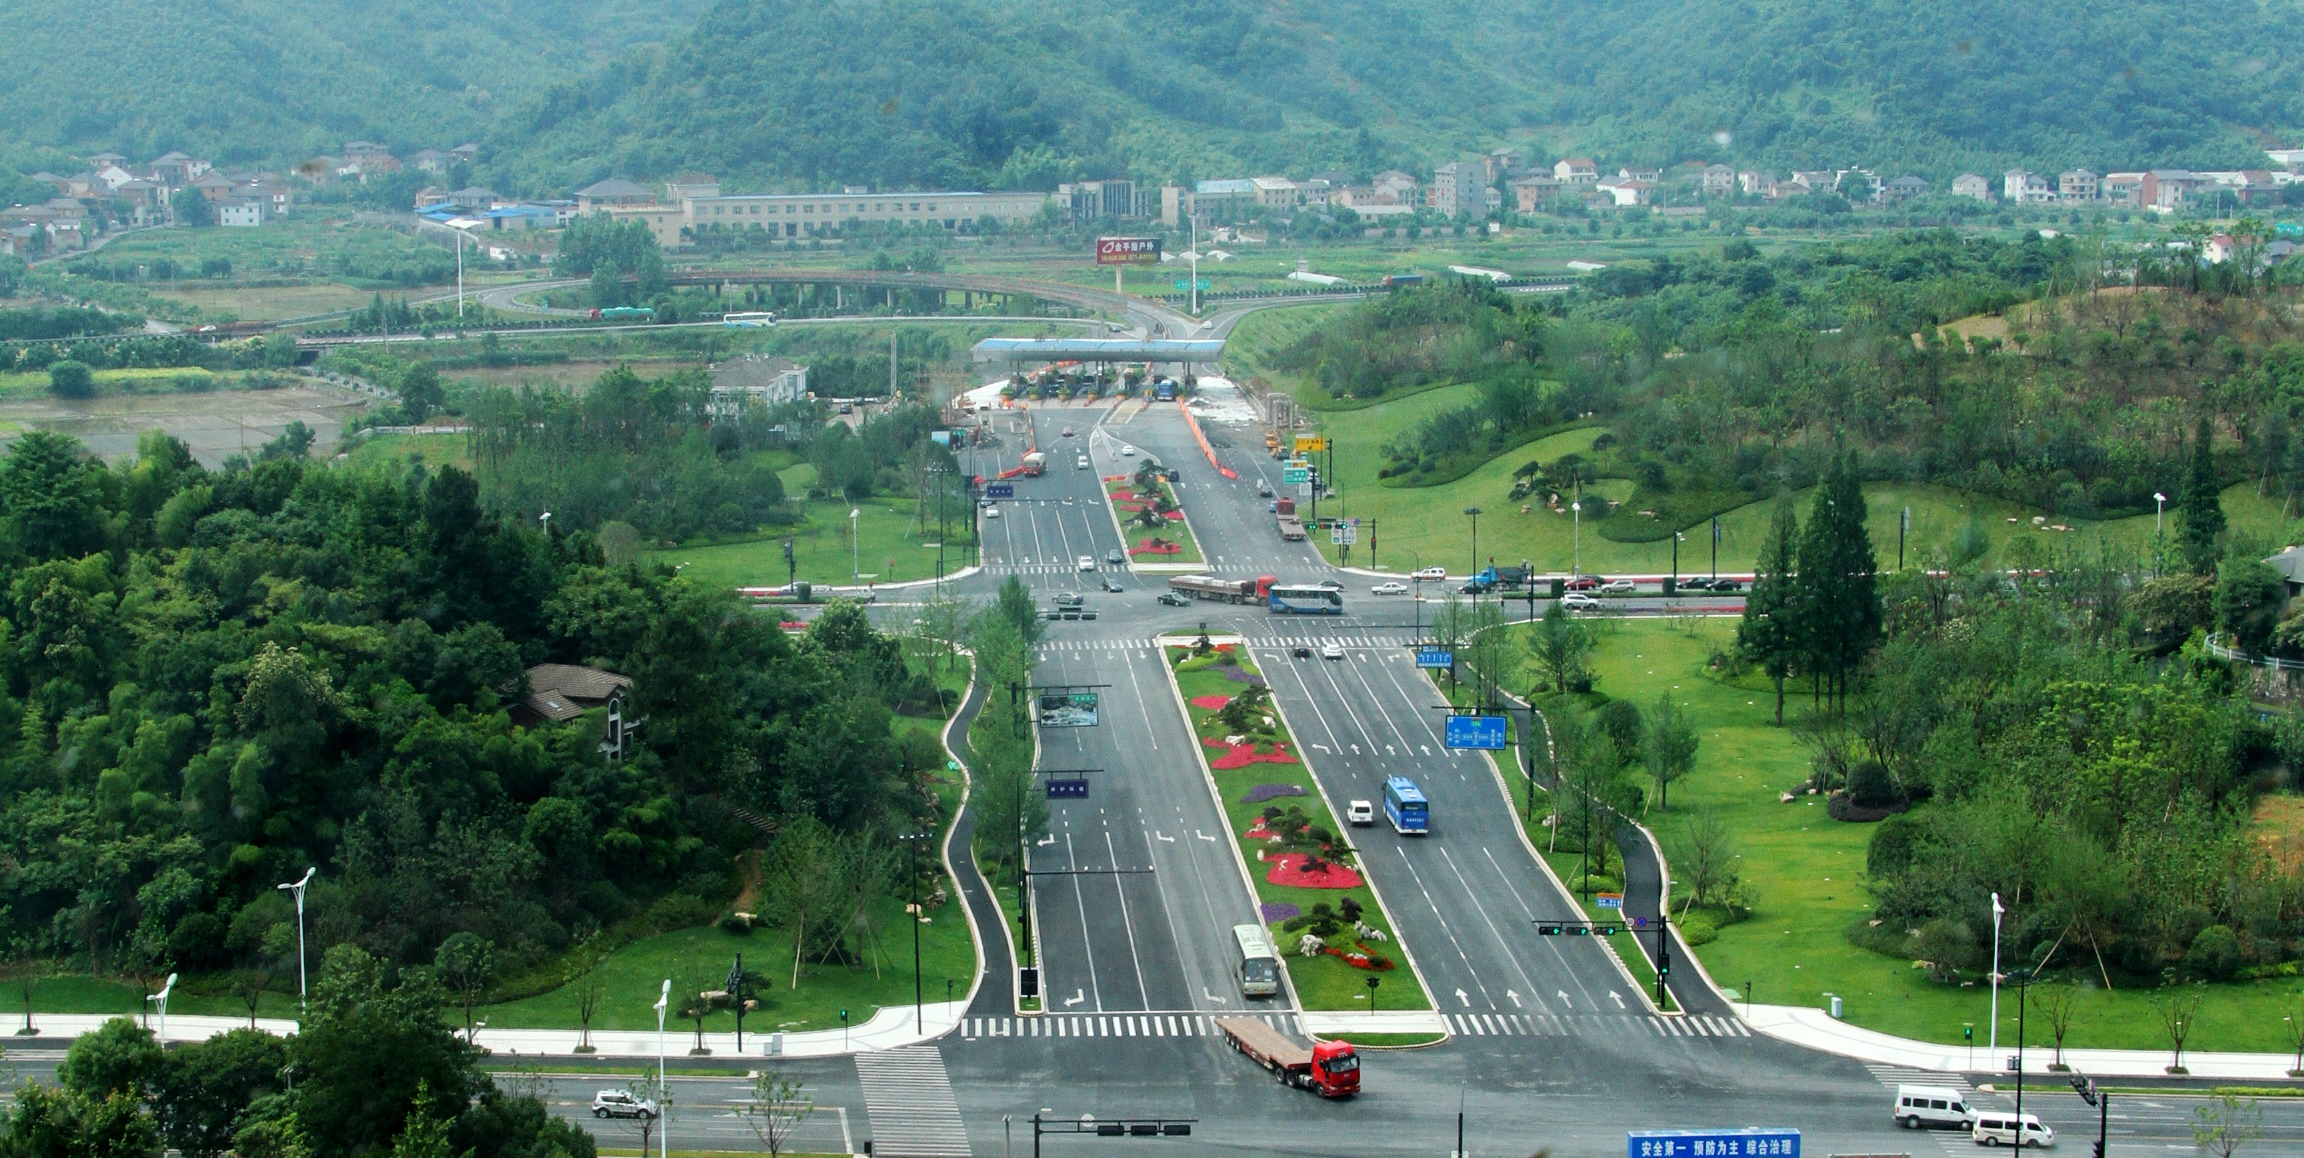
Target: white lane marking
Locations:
point(1562, 994)
point(1163, 839)
point(1087, 938)
point(1515, 996)
point(1078, 996)
point(1463, 998)
point(1203, 836)
point(1127, 924)
point(1619, 998)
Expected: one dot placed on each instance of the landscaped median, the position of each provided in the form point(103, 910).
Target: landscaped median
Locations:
point(1150, 521)
point(1329, 924)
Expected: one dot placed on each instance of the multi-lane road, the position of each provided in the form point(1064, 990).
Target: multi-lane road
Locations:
point(1549, 1043)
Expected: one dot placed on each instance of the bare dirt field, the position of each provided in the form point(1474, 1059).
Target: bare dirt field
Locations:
point(216, 424)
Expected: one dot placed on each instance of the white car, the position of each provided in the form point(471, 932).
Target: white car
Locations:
point(1431, 574)
point(1394, 588)
point(1360, 813)
point(1331, 652)
point(991, 512)
point(1083, 462)
point(1087, 563)
point(1578, 601)
point(619, 1104)
point(1127, 452)
point(1617, 587)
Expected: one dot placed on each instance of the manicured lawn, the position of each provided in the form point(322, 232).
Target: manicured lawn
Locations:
point(1385, 1040)
point(1419, 526)
point(888, 545)
point(433, 450)
point(1808, 877)
point(82, 993)
point(699, 959)
point(1323, 981)
point(1121, 492)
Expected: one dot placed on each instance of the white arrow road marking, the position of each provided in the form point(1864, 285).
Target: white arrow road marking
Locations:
point(1425, 748)
point(1203, 836)
point(1165, 839)
point(1463, 998)
point(1515, 998)
point(1619, 998)
point(1078, 996)
point(1388, 750)
point(1325, 748)
point(1355, 749)
point(1212, 998)
point(1562, 994)
point(1048, 840)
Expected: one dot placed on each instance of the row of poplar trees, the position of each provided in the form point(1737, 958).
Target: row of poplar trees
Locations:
point(1815, 606)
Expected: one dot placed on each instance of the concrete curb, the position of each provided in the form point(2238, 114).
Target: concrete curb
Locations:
point(1815, 1029)
point(944, 846)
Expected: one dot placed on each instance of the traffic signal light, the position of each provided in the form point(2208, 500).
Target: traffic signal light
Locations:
point(1548, 929)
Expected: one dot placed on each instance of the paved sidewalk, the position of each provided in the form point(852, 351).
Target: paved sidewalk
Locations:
point(1816, 1029)
point(887, 1029)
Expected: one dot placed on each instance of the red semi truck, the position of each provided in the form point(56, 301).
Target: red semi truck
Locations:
point(1330, 1069)
point(1223, 590)
point(1290, 529)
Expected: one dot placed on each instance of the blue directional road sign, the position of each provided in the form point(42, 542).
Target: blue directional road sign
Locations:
point(1475, 732)
point(999, 490)
point(1435, 657)
point(1751, 1142)
point(1068, 789)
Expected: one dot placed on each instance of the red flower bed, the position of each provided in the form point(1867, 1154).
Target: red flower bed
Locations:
point(1366, 958)
point(1210, 703)
point(1243, 755)
point(1288, 869)
point(1148, 547)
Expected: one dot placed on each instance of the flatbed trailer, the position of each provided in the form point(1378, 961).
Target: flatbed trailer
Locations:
point(1221, 590)
point(1330, 1068)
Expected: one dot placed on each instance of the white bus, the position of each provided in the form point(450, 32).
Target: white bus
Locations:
point(748, 318)
point(1259, 961)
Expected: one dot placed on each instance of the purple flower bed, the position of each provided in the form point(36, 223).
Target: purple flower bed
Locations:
point(1278, 911)
point(1264, 792)
point(1240, 675)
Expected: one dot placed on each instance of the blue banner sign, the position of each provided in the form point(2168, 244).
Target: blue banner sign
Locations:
point(1475, 732)
point(1435, 657)
point(999, 490)
point(1751, 1142)
point(1068, 789)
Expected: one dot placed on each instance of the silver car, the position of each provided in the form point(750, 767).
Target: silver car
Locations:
point(621, 1104)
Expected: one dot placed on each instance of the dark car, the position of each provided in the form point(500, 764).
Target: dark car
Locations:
point(1302, 652)
point(1586, 582)
point(1172, 599)
point(1069, 599)
point(1727, 585)
point(1113, 585)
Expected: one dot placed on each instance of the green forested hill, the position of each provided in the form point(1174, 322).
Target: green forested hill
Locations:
point(791, 93)
point(1024, 92)
point(253, 79)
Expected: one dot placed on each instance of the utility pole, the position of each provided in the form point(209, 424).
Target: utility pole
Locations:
point(919, 1003)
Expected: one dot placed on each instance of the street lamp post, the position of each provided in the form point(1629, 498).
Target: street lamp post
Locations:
point(663, 1002)
point(1474, 512)
point(1576, 510)
point(297, 888)
point(161, 999)
point(855, 548)
point(1992, 1036)
point(2159, 508)
point(919, 1003)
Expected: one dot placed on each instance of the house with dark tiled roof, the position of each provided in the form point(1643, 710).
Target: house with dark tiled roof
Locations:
point(559, 692)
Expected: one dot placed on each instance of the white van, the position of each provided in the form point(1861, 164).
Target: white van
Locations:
point(2002, 1128)
point(1087, 563)
point(1935, 1107)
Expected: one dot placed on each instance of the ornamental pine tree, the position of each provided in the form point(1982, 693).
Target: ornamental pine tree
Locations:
point(2203, 510)
point(1770, 632)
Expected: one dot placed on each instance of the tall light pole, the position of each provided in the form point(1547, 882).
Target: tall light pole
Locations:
point(919, 1003)
point(303, 1001)
point(1195, 274)
point(663, 1002)
point(162, 998)
point(1992, 1037)
point(855, 550)
point(2159, 508)
point(1576, 509)
point(1474, 512)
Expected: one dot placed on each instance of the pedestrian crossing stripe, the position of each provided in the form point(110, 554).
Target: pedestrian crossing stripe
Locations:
point(1112, 1025)
point(1461, 1024)
point(1895, 1075)
point(908, 1099)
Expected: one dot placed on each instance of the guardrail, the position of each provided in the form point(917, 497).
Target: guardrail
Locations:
point(2226, 651)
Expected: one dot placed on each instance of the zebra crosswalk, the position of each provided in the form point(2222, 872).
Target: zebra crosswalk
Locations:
point(1185, 1024)
point(1893, 1076)
point(908, 1096)
point(1460, 1024)
point(1576, 1025)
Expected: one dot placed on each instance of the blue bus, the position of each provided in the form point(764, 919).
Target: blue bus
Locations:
point(1165, 391)
point(1405, 807)
point(1304, 599)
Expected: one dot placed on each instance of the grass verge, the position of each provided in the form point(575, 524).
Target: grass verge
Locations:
point(1386, 1040)
point(1323, 981)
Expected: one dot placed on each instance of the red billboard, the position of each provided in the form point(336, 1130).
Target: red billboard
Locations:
point(1127, 251)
